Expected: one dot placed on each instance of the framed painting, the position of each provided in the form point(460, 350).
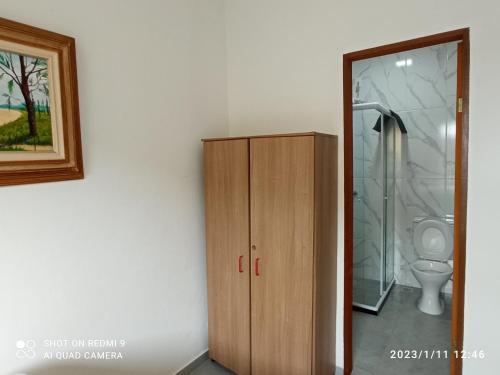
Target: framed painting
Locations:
point(39, 116)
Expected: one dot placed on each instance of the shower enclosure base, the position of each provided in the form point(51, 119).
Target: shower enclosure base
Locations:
point(374, 308)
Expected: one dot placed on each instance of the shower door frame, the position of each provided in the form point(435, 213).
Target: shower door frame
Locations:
point(461, 173)
point(384, 287)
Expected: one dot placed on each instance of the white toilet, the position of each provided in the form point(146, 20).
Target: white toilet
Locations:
point(433, 240)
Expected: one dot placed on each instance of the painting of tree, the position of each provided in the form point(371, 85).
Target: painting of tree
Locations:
point(40, 137)
point(24, 103)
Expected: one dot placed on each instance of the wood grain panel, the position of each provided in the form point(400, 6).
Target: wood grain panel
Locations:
point(226, 167)
point(269, 136)
point(325, 255)
point(282, 207)
point(460, 212)
point(348, 214)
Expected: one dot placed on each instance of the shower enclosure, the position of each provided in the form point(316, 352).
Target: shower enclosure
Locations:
point(374, 138)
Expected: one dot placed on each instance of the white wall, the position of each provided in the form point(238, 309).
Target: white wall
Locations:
point(120, 254)
point(285, 74)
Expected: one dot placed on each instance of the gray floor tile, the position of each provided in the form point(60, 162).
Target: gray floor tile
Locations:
point(360, 371)
point(210, 368)
point(399, 326)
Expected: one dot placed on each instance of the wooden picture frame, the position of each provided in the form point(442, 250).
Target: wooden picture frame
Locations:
point(40, 137)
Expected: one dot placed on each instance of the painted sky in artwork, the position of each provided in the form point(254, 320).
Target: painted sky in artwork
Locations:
point(39, 81)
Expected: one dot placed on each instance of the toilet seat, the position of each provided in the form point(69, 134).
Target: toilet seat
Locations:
point(433, 240)
point(430, 267)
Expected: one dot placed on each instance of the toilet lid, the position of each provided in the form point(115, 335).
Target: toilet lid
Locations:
point(433, 240)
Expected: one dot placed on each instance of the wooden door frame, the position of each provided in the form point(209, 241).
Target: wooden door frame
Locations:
point(460, 209)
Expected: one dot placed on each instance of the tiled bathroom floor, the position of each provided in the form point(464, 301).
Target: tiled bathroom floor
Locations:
point(209, 367)
point(366, 291)
point(400, 326)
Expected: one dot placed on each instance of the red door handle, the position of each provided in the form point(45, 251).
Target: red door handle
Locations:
point(240, 264)
point(257, 270)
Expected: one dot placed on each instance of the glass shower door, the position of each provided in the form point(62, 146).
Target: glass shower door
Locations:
point(368, 206)
point(373, 207)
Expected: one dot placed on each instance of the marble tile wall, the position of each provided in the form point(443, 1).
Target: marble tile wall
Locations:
point(419, 85)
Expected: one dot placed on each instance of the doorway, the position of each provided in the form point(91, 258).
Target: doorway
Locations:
point(371, 179)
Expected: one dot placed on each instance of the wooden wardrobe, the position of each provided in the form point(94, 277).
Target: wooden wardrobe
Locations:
point(271, 238)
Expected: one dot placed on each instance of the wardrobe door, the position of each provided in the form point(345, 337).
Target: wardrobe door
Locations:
point(226, 172)
point(282, 200)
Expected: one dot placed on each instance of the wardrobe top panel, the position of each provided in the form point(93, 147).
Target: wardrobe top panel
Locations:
point(269, 136)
